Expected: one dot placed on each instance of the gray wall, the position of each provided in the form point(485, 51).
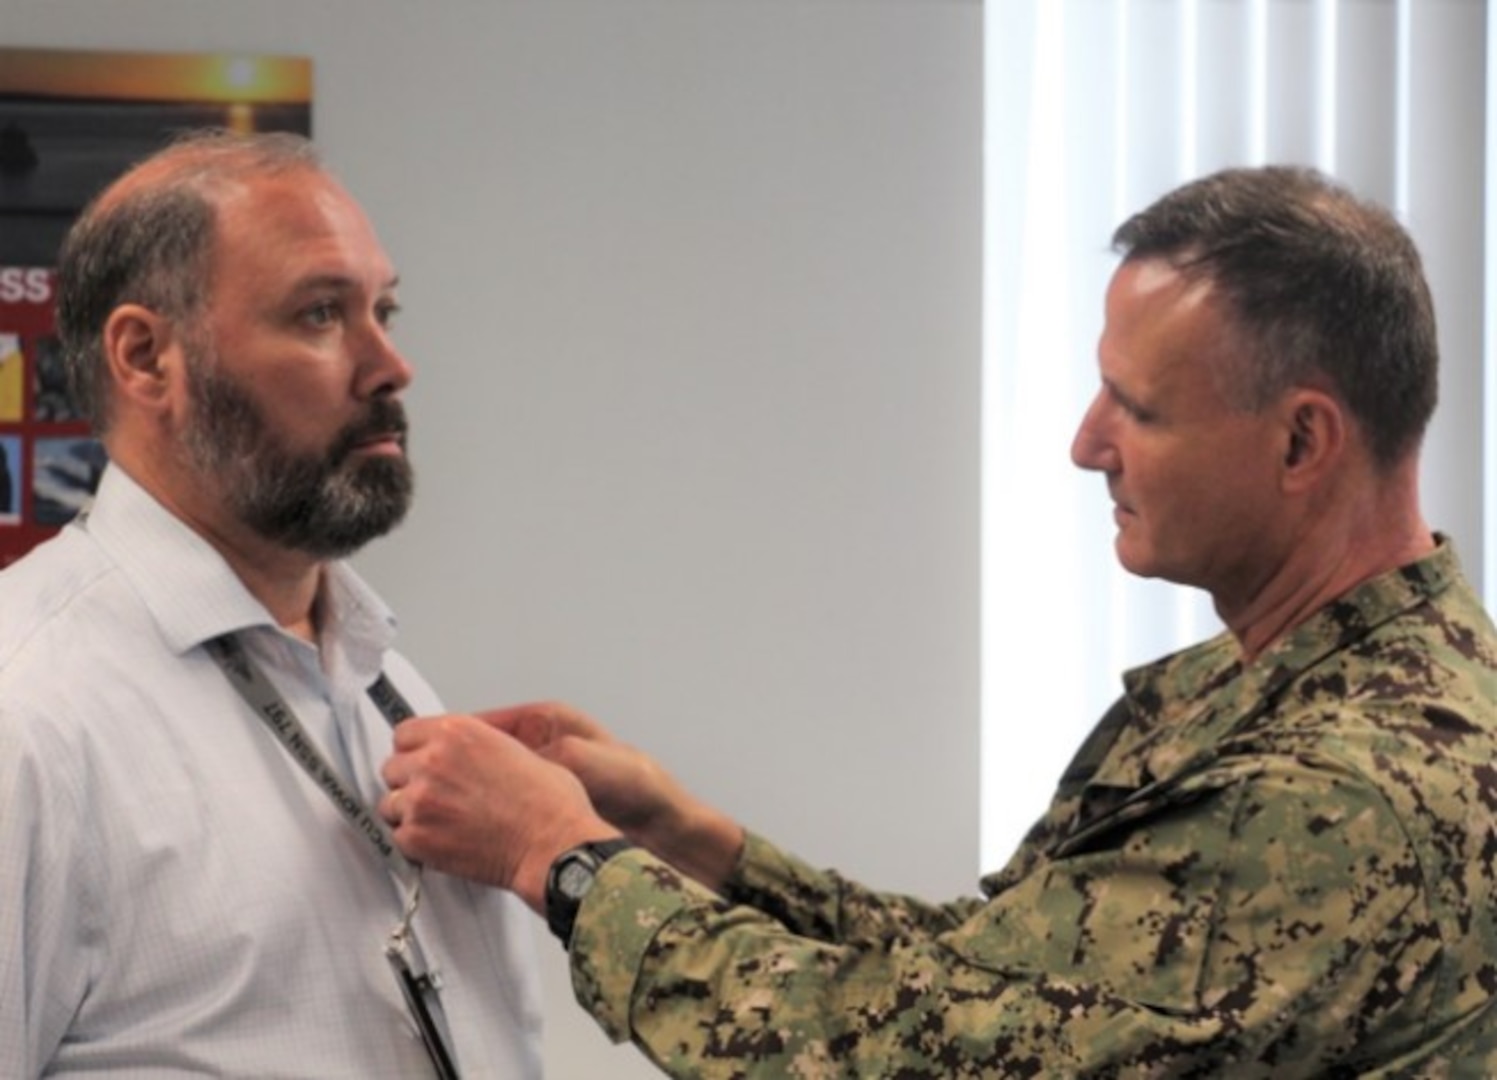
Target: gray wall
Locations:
point(693, 291)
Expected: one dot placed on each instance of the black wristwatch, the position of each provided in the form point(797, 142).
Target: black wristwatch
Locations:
point(570, 878)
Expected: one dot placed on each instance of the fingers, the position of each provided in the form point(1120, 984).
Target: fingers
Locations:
point(413, 733)
point(543, 723)
point(429, 744)
point(464, 797)
point(389, 806)
point(534, 725)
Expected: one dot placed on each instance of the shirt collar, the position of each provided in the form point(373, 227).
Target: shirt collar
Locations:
point(189, 588)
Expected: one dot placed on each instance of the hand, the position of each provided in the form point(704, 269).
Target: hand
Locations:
point(629, 788)
point(470, 800)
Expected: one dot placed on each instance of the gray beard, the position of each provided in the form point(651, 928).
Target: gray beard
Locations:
point(326, 505)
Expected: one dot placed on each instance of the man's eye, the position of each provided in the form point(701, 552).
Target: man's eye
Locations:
point(386, 313)
point(320, 314)
point(1133, 410)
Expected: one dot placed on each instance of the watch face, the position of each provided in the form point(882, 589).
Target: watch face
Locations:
point(574, 878)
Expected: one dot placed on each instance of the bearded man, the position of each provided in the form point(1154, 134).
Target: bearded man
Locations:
point(196, 693)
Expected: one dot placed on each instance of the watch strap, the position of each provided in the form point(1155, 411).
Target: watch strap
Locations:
point(562, 905)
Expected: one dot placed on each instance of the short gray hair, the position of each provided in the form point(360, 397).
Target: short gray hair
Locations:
point(1324, 287)
point(148, 239)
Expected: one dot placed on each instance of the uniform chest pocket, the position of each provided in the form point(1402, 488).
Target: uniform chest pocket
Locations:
point(1129, 905)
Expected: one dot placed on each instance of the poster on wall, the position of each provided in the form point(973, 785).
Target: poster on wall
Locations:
point(70, 122)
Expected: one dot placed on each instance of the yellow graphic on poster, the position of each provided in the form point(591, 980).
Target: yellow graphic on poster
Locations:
point(12, 378)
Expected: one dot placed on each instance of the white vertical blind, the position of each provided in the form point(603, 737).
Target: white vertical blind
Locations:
point(1489, 327)
point(1093, 109)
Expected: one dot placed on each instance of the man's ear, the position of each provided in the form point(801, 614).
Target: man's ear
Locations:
point(1314, 437)
point(138, 346)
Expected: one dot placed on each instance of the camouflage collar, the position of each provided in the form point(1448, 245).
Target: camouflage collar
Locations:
point(1184, 705)
point(1352, 617)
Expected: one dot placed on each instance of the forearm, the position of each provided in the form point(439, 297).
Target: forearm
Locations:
point(826, 906)
point(701, 842)
point(716, 990)
point(1119, 959)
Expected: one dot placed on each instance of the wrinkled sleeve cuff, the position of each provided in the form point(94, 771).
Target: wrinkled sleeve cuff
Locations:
point(634, 897)
point(765, 870)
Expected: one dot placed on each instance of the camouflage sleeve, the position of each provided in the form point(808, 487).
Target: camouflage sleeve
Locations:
point(1259, 922)
point(822, 904)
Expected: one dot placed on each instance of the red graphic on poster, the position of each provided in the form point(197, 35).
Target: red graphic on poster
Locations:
point(48, 462)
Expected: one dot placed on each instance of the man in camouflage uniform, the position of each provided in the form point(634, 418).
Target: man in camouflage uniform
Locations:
point(1274, 857)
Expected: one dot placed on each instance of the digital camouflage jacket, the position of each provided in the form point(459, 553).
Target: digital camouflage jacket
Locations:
point(1279, 870)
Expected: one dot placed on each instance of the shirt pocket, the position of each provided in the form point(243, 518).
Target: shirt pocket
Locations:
point(1127, 905)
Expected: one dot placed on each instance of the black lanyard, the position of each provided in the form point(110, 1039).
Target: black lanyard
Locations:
point(261, 695)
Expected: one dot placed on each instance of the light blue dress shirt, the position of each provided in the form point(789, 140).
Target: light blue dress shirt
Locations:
point(177, 897)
